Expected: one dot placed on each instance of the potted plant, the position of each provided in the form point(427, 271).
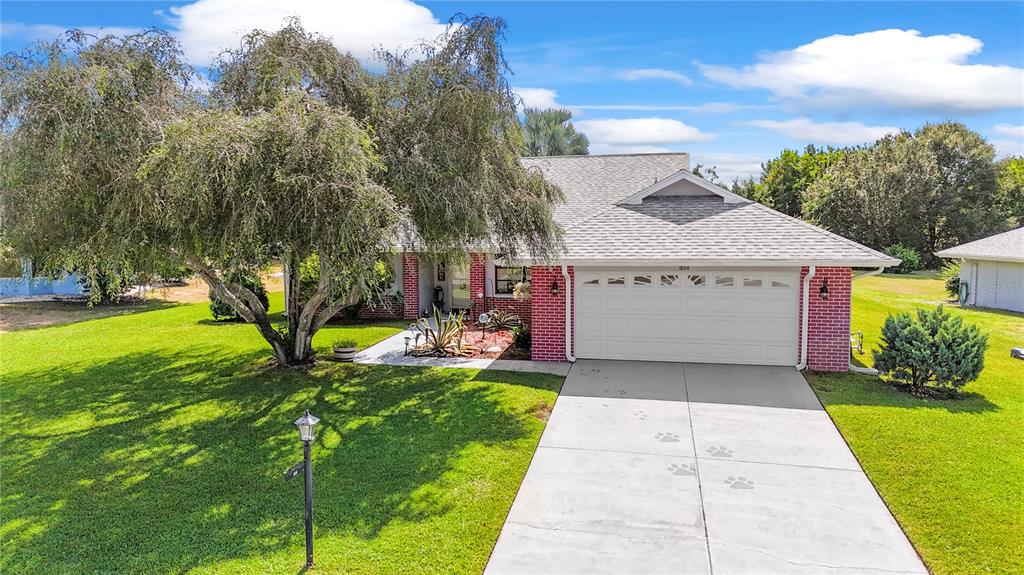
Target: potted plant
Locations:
point(344, 350)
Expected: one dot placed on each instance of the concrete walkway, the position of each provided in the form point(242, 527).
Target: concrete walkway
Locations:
point(695, 468)
point(391, 351)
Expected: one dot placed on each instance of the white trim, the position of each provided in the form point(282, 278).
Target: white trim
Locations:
point(790, 262)
point(982, 257)
point(804, 320)
point(687, 175)
point(570, 325)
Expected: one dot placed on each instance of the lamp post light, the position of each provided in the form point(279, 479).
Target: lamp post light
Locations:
point(307, 431)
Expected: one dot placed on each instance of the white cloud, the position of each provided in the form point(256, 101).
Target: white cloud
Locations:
point(731, 166)
point(537, 97)
point(21, 31)
point(1006, 148)
point(655, 74)
point(1009, 130)
point(638, 135)
point(207, 27)
point(838, 133)
point(884, 68)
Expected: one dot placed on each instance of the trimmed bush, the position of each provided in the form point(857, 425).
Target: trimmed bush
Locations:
point(522, 337)
point(911, 260)
point(223, 312)
point(935, 352)
point(951, 276)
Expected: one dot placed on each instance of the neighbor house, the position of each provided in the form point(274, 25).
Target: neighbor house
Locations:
point(17, 280)
point(992, 270)
point(661, 265)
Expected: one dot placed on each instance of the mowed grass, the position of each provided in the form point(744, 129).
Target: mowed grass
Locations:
point(155, 442)
point(951, 471)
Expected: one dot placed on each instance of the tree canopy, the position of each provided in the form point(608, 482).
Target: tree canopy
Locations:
point(298, 153)
point(549, 132)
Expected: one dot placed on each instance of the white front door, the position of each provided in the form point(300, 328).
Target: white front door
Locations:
point(709, 316)
point(460, 286)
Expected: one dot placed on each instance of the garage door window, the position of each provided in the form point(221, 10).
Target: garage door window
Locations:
point(780, 284)
point(591, 279)
point(724, 281)
point(695, 280)
point(669, 279)
point(641, 280)
point(616, 280)
point(751, 282)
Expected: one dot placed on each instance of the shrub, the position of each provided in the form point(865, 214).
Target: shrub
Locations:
point(951, 274)
point(223, 312)
point(911, 260)
point(446, 340)
point(501, 320)
point(522, 337)
point(344, 343)
point(938, 351)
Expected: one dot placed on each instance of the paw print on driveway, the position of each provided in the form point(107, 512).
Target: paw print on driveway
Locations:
point(666, 437)
point(719, 451)
point(641, 415)
point(683, 469)
point(739, 482)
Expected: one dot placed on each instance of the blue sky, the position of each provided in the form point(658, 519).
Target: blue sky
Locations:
point(732, 83)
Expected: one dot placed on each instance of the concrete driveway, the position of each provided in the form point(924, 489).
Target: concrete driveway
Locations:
point(695, 468)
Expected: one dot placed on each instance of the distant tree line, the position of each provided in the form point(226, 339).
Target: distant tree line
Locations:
point(928, 190)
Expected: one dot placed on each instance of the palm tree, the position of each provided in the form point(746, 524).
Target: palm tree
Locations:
point(549, 132)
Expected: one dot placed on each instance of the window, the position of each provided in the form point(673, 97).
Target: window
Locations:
point(644, 280)
point(695, 280)
point(751, 282)
point(724, 281)
point(669, 279)
point(616, 280)
point(779, 284)
point(591, 279)
point(506, 278)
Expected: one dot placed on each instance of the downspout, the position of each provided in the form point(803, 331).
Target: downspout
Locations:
point(804, 321)
point(854, 368)
point(568, 315)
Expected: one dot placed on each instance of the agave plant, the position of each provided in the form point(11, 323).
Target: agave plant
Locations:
point(446, 340)
point(501, 320)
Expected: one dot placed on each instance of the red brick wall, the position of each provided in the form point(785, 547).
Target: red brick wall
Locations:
point(411, 285)
point(828, 331)
point(548, 313)
point(477, 285)
point(388, 309)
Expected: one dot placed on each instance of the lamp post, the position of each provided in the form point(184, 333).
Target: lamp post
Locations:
point(307, 431)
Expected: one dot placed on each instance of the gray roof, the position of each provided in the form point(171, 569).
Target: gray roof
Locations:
point(592, 184)
point(679, 229)
point(708, 230)
point(1007, 246)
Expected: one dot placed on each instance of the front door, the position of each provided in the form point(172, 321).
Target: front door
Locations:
point(459, 277)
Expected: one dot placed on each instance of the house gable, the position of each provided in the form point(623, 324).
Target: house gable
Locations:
point(686, 184)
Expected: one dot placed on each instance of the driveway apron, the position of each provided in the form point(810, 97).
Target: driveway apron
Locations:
point(695, 468)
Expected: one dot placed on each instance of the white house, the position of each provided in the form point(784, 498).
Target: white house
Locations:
point(992, 270)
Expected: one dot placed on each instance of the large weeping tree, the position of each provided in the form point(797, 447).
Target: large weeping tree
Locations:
point(297, 153)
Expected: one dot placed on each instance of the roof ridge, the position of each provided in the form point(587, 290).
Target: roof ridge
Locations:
point(620, 155)
point(819, 229)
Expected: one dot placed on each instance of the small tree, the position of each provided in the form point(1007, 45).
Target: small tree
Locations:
point(910, 260)
point(937, 351)
point(252, 282)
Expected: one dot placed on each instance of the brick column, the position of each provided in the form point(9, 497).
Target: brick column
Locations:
point(548, 312)
point(477, 265)
point(828, 331)
point(411, 285)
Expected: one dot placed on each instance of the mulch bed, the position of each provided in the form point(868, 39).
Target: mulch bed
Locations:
point(494, 344)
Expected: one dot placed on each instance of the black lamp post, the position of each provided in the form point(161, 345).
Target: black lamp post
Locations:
point(307, 431)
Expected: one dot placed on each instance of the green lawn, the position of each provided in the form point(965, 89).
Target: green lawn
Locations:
point(951, 471)
point(154, 442)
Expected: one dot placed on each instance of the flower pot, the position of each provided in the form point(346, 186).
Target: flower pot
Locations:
point(344, 353)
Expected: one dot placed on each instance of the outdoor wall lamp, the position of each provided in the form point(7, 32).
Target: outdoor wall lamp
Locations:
point(554, 287)
point(823, 292)
point(307, 431)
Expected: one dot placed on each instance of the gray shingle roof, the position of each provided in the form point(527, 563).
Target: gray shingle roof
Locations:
point(592, 184)
point(675, 229)
point(1007, 246)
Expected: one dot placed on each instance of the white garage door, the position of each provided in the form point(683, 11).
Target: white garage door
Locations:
point(722, 316)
